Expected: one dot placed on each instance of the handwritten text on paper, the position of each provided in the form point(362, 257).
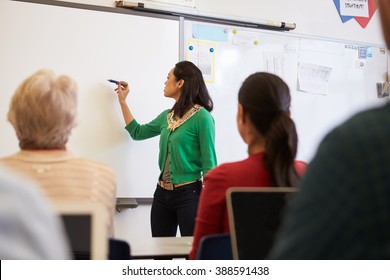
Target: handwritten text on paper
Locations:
point(358, 8)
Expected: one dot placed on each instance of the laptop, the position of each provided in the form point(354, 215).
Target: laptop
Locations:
point(254, 216)
point(86, 229)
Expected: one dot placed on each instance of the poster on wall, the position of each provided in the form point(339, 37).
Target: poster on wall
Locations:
point(360, 10)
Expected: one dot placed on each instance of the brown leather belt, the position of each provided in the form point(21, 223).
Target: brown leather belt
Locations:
point(169, 186)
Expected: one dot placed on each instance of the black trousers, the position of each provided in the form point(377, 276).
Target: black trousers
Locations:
point(177, 207)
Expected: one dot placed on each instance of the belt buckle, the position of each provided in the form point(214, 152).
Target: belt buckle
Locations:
point(169, 186)
point(166, 185)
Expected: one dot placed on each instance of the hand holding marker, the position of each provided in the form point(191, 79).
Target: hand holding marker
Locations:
point(122, 90)
point(123, 84)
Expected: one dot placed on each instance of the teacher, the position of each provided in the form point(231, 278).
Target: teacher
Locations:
point(186, 149)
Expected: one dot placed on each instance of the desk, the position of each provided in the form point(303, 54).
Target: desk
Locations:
point(167, 247)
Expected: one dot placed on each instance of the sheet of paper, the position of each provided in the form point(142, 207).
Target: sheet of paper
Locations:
point(209, 33)
point(201, 53)
point(313, 78)
point(244, 38)
point(356, 8)
point(275, 63)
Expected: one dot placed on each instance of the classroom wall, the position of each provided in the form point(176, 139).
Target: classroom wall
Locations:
point(316, 18)
point(323, 20)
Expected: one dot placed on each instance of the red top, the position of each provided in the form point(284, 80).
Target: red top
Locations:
point(212, 214)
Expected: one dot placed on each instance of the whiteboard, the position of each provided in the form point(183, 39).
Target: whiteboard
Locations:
point(95, 44)
point(92, 46)
point(228, 54)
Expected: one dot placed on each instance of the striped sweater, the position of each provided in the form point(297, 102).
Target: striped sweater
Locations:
point(64, 176)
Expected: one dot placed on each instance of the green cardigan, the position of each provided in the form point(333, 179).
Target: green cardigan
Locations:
point(191, 145)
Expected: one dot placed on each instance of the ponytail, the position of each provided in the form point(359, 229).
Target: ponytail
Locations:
point(280, 151)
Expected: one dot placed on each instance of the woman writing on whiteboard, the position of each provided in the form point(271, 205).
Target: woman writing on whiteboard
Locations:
point(264, 123)
point(186, 146)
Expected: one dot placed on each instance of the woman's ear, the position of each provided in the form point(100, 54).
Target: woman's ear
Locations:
point(242, 122)
point(240, 114)
point(180, 84)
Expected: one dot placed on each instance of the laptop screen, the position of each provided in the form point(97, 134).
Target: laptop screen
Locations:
point(254, 217)
point(79, 231)
point(85, 225)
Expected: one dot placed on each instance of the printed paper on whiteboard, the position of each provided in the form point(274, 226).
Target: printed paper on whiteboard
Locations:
point(275, 63)
point(313, 78)
point(201, 53)
point(354, 8)
point(243, 38)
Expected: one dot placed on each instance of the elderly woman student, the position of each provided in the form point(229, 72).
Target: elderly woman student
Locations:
point(43, 114)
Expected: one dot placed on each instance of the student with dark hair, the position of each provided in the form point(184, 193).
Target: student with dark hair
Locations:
point(187, 152)
point(264, 123)
point(342, 209)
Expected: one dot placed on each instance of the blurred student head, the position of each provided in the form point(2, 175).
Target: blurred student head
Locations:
point(29, 227)
point(43, 110)
point(384, 10)
point(264, 109)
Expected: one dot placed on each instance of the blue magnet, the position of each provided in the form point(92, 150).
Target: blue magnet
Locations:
point(190, 48)
point(211, 49)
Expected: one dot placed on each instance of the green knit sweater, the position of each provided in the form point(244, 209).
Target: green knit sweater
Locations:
point(191, 145)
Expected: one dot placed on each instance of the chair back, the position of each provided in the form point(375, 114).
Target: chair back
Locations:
point(254, 217)
point(119, 249)
point(215, 247)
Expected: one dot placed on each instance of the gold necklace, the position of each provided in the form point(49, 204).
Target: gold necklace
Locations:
point(173, 124)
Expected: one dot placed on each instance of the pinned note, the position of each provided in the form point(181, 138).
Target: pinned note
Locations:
point(245, 38)
point(313, 78)
point(201, 53)
point(209, 33)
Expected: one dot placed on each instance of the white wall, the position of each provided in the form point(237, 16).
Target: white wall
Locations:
point(322, 20)
point(315, 18)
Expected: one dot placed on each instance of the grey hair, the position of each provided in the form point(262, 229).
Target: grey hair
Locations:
point(43, 110)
